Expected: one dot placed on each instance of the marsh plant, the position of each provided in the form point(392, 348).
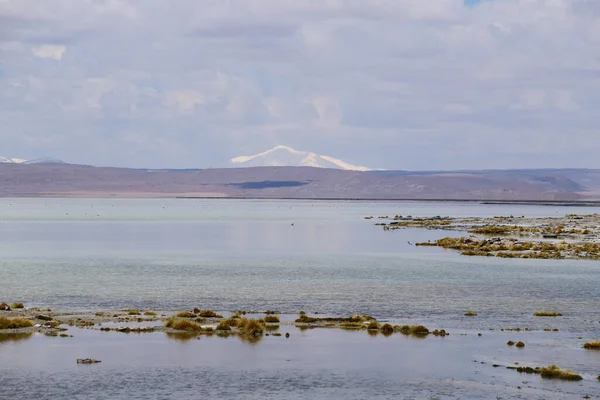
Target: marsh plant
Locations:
point(15, 323)
point(547, 314)
point(554, 372)
point(183, 324)
point(594, 345)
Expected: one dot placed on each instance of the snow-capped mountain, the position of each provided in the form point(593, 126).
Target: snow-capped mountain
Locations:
point(12, 160)
point(289, 157)
point(6, 160)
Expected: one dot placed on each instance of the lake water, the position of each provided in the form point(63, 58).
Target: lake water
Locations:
point(288, 256)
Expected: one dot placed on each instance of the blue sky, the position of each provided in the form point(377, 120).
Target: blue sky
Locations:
point(396, 84)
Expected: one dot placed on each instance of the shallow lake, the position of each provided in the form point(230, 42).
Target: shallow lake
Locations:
point(289, 256)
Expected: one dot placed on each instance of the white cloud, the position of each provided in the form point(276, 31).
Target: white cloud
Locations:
point(384, 81)
point(49, 51)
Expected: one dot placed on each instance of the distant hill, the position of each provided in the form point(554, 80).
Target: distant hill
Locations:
point(67, 180)
point(285, 156)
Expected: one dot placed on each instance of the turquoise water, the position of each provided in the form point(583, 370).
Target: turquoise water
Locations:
point(289, 256)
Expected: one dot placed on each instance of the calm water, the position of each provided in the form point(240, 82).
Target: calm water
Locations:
point(290, 256)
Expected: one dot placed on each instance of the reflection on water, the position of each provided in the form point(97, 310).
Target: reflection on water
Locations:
point(317, 363)
point(229, 255)
point(182, 336)
point(14, 337)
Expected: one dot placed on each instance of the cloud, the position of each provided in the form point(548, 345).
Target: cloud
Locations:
point(387, 83)
point(49, 51)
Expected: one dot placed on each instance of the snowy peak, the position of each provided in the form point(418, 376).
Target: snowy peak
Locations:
point(12, 160)
point(289, 157)
point(7, 160)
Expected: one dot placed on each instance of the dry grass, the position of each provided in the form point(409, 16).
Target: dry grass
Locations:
point(209, 314)
point(185, 314)
point(15, 323)
point(417, 330)
point(554, 372)
point(272, 319)
point(595, 345)
point(373, 325)
point(251, 326)
point(223, 326)
point(150, 313)
point(17, 305)
point(547, 314)
point(351, 325)
point(183, 324)
point(133, 312)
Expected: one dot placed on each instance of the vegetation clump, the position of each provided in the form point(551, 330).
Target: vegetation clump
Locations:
point(223, 326)
point(510, 343)
point(387, 329)
point(183, 324)
point(373, 326)
point(15, 323)
point(133, 312)
point(547, 314)
point(209, 314)
point(595, 345)
point(150, 313)
point(520, 345)
point(250, 326)
point(185, 314)
point(470, 314)
point(17, 305)
point(272, 319)
point(554, 372)
point(417, 330)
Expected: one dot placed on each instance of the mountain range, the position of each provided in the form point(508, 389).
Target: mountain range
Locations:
point(70, 180)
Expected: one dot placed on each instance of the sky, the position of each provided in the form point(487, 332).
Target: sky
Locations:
point(394, 84)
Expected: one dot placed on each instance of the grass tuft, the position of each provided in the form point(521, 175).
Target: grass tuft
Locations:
point(15, 323)
point(17, 305)
point(373, 325)
point(209, 314)
point(470, 314)
point(223, 326)
point(520, 345)
point(554, 372)
point(272, 319)
point(150, 313)
point(595, 345)
point(183, 324)
point(547, 314)
point(185, 314)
